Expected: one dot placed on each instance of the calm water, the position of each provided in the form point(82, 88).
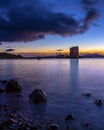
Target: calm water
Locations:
point(65, 81)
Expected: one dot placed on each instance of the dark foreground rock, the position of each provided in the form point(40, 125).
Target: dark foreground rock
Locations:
point(99, 102)
point(53, 127)
point(21, 124)
point(15, 121)
point(13, 86)
point(38, 96)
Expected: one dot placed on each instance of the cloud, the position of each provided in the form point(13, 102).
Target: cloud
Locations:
point(89, 2)
point(29, 20)
point(59, 50)
point(10, 50)
point(92, 14)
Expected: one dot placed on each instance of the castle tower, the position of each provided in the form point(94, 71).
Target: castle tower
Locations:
point(74, 52)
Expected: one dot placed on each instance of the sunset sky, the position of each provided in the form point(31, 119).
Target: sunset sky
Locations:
point(37, 27)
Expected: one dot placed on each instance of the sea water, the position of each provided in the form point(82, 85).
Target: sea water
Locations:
point(65, 82)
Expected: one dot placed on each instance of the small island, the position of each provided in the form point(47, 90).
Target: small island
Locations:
point(5, 55)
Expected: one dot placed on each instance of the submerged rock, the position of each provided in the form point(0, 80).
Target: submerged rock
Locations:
point(69, 117)
point(99, 102)
point(4, 81)
point(67, 128)
point(53, 127)
point(85, 125)
point(13, 86)
point(38, 96)
point(87, 94)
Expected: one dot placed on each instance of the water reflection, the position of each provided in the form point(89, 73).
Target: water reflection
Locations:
point(74, 82)
point(74, 72)
point(8, 69)
point(73, 104)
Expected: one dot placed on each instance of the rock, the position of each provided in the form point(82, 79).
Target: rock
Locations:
point(67, 128)
point(0, 81)
point(85, 125)
point(69, 117)
point(53, 127)
point(24, 124)
point(4, 81)
point(8, 122)
point(13, 86)
point(1, 90)
point(38, 96)
point(11, 115)
point(87, 94)
point(99, 102)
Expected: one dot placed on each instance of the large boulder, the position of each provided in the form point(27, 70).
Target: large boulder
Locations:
point(13, 86)
point(38, 96)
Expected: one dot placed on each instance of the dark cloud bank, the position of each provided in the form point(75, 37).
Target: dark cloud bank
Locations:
point(28, 20)
point(10, 50)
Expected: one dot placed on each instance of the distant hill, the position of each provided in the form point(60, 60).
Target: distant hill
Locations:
point(5, 55)
point(93, 56)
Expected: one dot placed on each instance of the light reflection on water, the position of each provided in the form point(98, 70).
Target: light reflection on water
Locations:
point(64, 81)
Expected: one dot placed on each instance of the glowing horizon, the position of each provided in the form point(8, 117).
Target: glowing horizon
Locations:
point(55, 52)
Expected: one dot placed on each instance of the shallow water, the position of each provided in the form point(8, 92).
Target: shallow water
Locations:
point(65, 81)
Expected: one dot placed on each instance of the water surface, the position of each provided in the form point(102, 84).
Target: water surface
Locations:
point(65, 81)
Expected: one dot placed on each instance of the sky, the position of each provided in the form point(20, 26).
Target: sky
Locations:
point(37, 27)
